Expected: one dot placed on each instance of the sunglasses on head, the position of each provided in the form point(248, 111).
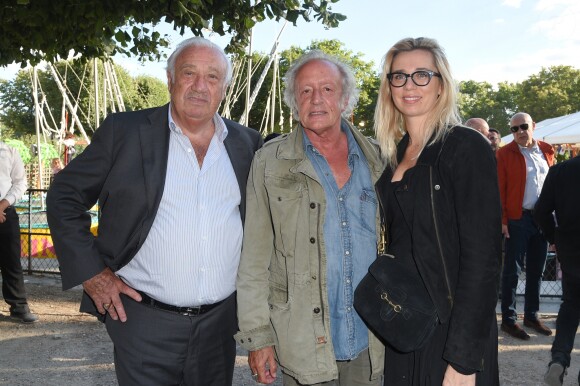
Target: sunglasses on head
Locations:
point(523, 126)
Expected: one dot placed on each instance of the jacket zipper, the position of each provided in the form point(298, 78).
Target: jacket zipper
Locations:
point(449, 296)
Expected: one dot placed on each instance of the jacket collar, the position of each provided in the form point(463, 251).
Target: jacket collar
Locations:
point(430, 153)
point(293, 148)
point(544, 147)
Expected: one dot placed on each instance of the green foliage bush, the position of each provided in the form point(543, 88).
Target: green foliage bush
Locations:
point(23, 150)
point(47, 150)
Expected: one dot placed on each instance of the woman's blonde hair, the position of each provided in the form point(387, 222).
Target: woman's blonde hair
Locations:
point(389, 122)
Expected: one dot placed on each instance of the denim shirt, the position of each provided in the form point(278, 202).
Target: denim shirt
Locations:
point(350, 243)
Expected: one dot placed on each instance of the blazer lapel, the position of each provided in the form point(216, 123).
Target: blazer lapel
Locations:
point(154, 147)
point(241, 159)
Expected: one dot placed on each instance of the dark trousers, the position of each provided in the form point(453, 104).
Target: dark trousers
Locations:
point(10, 265)
point(527, 242)
point(157, 347)
point(567, 321)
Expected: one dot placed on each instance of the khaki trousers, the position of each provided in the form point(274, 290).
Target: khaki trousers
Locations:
point(350, 373)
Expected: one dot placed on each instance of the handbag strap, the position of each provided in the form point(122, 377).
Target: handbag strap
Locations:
point(383, 236)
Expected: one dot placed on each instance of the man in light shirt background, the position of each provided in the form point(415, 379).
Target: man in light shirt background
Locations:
point(12, 187)
point(522, 166)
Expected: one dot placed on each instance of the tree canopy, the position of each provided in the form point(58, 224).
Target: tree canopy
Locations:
point(17, 105)
point(552, 92)
point(32, 31)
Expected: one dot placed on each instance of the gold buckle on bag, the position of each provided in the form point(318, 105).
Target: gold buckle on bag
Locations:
point(396, 307)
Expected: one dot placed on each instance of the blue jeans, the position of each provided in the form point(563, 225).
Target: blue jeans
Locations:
point(525, 242)
point(567, 321)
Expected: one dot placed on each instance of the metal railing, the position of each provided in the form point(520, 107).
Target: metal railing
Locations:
point(37, 252)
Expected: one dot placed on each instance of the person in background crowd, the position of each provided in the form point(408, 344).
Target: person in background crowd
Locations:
point(271, 136)
point(522, 166)
point(12, 187)
point(439, 193)
point(494, 139)
point(170, 182)
point(310, 238)
point(557, 212)
point(55, 166)
point(478, 124)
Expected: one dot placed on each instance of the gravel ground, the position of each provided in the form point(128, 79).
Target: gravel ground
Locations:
point(67, 348)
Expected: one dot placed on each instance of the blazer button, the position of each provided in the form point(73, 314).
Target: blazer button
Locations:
point(316, 310)
point(437, 187)
point(312, 205)
point(312, 240)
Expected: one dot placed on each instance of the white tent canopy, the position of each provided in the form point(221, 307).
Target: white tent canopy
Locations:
point(559, 130)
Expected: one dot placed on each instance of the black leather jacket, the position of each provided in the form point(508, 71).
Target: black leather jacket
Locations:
point(456, 233)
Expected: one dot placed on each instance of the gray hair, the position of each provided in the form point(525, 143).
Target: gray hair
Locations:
point(350, 91)
point(198, 41)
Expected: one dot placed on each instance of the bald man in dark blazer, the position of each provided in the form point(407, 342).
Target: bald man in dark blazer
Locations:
point(170, 183)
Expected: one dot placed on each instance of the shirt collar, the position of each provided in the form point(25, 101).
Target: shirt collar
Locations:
point(221, 130)
point(353, 149)
point(533, 148)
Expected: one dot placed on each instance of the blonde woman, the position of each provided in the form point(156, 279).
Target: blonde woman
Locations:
point(440, 202)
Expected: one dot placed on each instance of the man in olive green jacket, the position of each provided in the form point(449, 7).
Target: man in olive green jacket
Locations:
point(294, 239)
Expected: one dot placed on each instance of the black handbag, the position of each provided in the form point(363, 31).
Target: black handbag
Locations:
point(394, 303)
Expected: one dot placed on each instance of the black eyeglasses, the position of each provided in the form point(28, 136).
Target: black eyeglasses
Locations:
point(420, 78)
point(523, 126)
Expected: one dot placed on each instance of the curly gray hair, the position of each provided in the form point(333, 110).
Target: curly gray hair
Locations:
point(350, 92)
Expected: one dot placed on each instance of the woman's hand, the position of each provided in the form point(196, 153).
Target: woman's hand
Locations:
point(454, 378)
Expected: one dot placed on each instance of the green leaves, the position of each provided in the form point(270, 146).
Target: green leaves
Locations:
point(552, 92)
point(47, 30)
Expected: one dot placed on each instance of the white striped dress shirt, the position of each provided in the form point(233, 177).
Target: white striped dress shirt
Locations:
point(192, 252)
point(12, 174)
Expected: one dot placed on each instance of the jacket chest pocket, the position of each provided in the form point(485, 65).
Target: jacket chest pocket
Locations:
point(368, 210)
point(285, 198)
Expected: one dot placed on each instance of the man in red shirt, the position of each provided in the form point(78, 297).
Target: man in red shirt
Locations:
point(522, 166)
